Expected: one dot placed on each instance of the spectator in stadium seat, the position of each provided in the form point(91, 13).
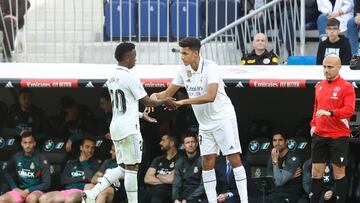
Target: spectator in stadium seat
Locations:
point(353, 27)
point(285, 168)
point(25, 116)
point(27, 173)
point(76, 174)
point(335, 44)
point(259, 55)
point(328, 179)
point(188, 185)
point(160, 174)
point(74, 122)
point(12, 15)
point(340, 9)
point(109, 194)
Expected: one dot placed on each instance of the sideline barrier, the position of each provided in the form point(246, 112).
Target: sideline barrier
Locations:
point(14, 75)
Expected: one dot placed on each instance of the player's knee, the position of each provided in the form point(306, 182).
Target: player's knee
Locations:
point(339, 172)
point(44, 198)
point(32, 198)
point(317, 172)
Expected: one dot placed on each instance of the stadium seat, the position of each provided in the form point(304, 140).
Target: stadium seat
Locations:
point(55, 153)
point(9, 145)
point(157, 12)
point(189, 12)
point(301, 60)
point(124, 25)
point(102, 150)
point(258, 155)
point(301, 146)
point(3, 112)
point(217, 16)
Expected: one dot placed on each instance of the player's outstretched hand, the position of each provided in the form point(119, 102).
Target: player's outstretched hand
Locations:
point(146, 116)
point(170, 104)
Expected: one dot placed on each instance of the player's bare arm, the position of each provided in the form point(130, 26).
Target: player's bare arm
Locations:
point(208, 97)
point(169, 92)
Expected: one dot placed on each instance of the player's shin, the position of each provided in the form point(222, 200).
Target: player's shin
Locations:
point(209, 179)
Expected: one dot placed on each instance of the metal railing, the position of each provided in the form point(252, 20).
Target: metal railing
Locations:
point(87, 31)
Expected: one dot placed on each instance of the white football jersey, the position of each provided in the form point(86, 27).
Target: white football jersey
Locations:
point(210, 115)
point(125, 90)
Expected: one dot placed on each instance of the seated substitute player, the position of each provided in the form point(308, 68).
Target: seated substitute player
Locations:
point(76, 174)
point(125, 91)
point(31, 173)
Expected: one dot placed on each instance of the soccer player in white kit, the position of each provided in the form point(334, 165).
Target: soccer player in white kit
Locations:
point(125, 91)
point(214, 112)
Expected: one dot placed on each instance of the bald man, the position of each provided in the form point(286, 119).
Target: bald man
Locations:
point(334, 104)
point(260, 56)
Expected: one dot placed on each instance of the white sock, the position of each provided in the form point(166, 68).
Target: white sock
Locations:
point(110, 176)
point(241, 184)
point(131, 186)
point(209, 179)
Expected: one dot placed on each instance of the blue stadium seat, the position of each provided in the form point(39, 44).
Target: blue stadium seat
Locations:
point(157, 24)
point(217, 13)
point(301, 60)
point(189, 12)
point(123, 25)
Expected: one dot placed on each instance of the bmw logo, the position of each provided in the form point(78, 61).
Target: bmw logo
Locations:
point(49, 145)
point(292, 144)
point(2, 142)
point(254, 146)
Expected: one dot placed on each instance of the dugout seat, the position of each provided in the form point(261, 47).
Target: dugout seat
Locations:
point(9, 145)
point(258, 155)
point(55, 153)
point(301, 146)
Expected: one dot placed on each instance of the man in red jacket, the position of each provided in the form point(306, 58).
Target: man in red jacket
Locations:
point(334, 104)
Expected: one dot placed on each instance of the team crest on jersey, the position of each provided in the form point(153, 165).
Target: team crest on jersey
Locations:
point(337, 89)
point(32, 166)
point(172, 165)
point(196, 169)
point(327, 169)
point(188, 73)
point(45, 162)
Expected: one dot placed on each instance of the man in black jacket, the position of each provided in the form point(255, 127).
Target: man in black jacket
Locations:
point(12, 16)
point(334, 44)
point(188, 185)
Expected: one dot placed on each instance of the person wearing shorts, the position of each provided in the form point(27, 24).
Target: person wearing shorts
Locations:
point(76, 175)
point(213, 111)
point(32, 173)
point(334, 104)
point(125, 91)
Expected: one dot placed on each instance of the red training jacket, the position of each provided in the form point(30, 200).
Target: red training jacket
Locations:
point(337, 96)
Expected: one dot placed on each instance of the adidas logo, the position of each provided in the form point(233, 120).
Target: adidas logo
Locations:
point(9, 85)
point(239, 84)
point(231, 148)
point(89, 84)
point(105, 85)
